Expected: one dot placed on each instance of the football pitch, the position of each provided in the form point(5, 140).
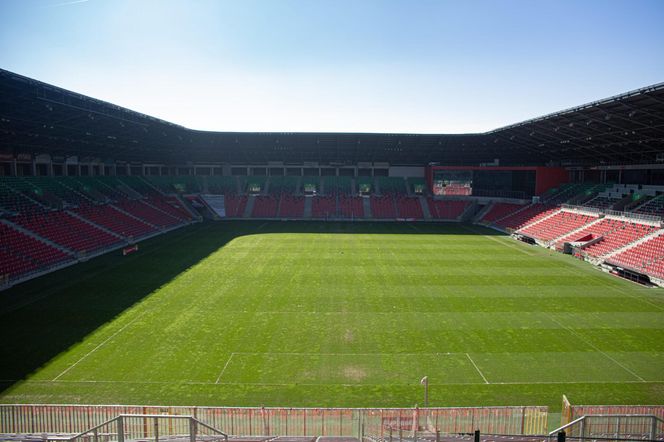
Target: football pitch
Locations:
point(332, 314)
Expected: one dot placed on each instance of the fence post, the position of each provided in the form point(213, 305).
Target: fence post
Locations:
point(653, 428)
point(192, 430)
point(437, 435)
point(120, 429)
point(156, 429)
point(561, 436)
point(477, 436)
point(583, 429)
point(390, 436)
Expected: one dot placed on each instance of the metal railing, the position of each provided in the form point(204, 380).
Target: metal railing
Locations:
point(150, 427)
point(628, 215)
point(260, 421)
point(614, 427)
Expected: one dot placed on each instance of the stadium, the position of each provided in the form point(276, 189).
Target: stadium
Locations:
point(159, 282)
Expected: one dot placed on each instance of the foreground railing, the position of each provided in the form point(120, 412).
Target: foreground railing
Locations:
point(614, 427)
point(150, 428)
point(286, 421)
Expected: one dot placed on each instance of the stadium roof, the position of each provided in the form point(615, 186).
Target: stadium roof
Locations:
point(38, 118)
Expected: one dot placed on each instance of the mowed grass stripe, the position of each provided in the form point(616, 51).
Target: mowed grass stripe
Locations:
point(367, 305)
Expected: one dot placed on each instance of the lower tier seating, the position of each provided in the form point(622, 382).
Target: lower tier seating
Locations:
point(291, 206)
point(557, 225)
point(235, 205)
point(147, 213)
point(526, 216)
point(647, 257)
point(446, 209)
point(67, 230)
point(116, 221)
point(409, 207)
point(382, 207)
point(265, 206)
point(323, 206)
point(500, 210)
point(21, 254)
point(624, 234)
point(171, 206)
point(351, 206)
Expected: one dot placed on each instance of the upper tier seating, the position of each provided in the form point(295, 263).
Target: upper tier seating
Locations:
point(283, 184)
point(392, 185)
point(140, 185)
point(16, 202)
point(100, 188)
point(365, 185)
point(557, 225)
point(654, 207)
point(415, 183)
point(171, 184)
point(571, 191)
point(454, 189)
point(601, 202)
point(172, 206)
point(255, 184)
point(221, 185)
point(310, 182)
point(333, 185)
point(67, 189)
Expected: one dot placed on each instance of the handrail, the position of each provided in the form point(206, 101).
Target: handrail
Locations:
point(122, 416)
point(628, 215)
point(584, 417)
point(93, 428)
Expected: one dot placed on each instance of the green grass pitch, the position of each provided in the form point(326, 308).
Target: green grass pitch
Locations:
point(332, 314)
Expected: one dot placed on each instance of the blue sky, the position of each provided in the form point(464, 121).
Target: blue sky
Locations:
point(414, 66)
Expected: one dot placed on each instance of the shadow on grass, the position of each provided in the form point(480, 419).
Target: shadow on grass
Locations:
point(40, 319)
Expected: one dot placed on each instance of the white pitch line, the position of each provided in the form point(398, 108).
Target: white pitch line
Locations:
point(343, 354)
point(283, 384)
point(224, 369)
point(477, 368)
point(583, 338)
point(97, 347)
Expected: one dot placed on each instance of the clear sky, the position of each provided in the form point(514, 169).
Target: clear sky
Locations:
point(414, 66)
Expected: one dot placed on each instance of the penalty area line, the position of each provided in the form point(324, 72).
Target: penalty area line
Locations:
point(587, 341)
point(224, 369)
point(97, 347)
point(478, 369)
